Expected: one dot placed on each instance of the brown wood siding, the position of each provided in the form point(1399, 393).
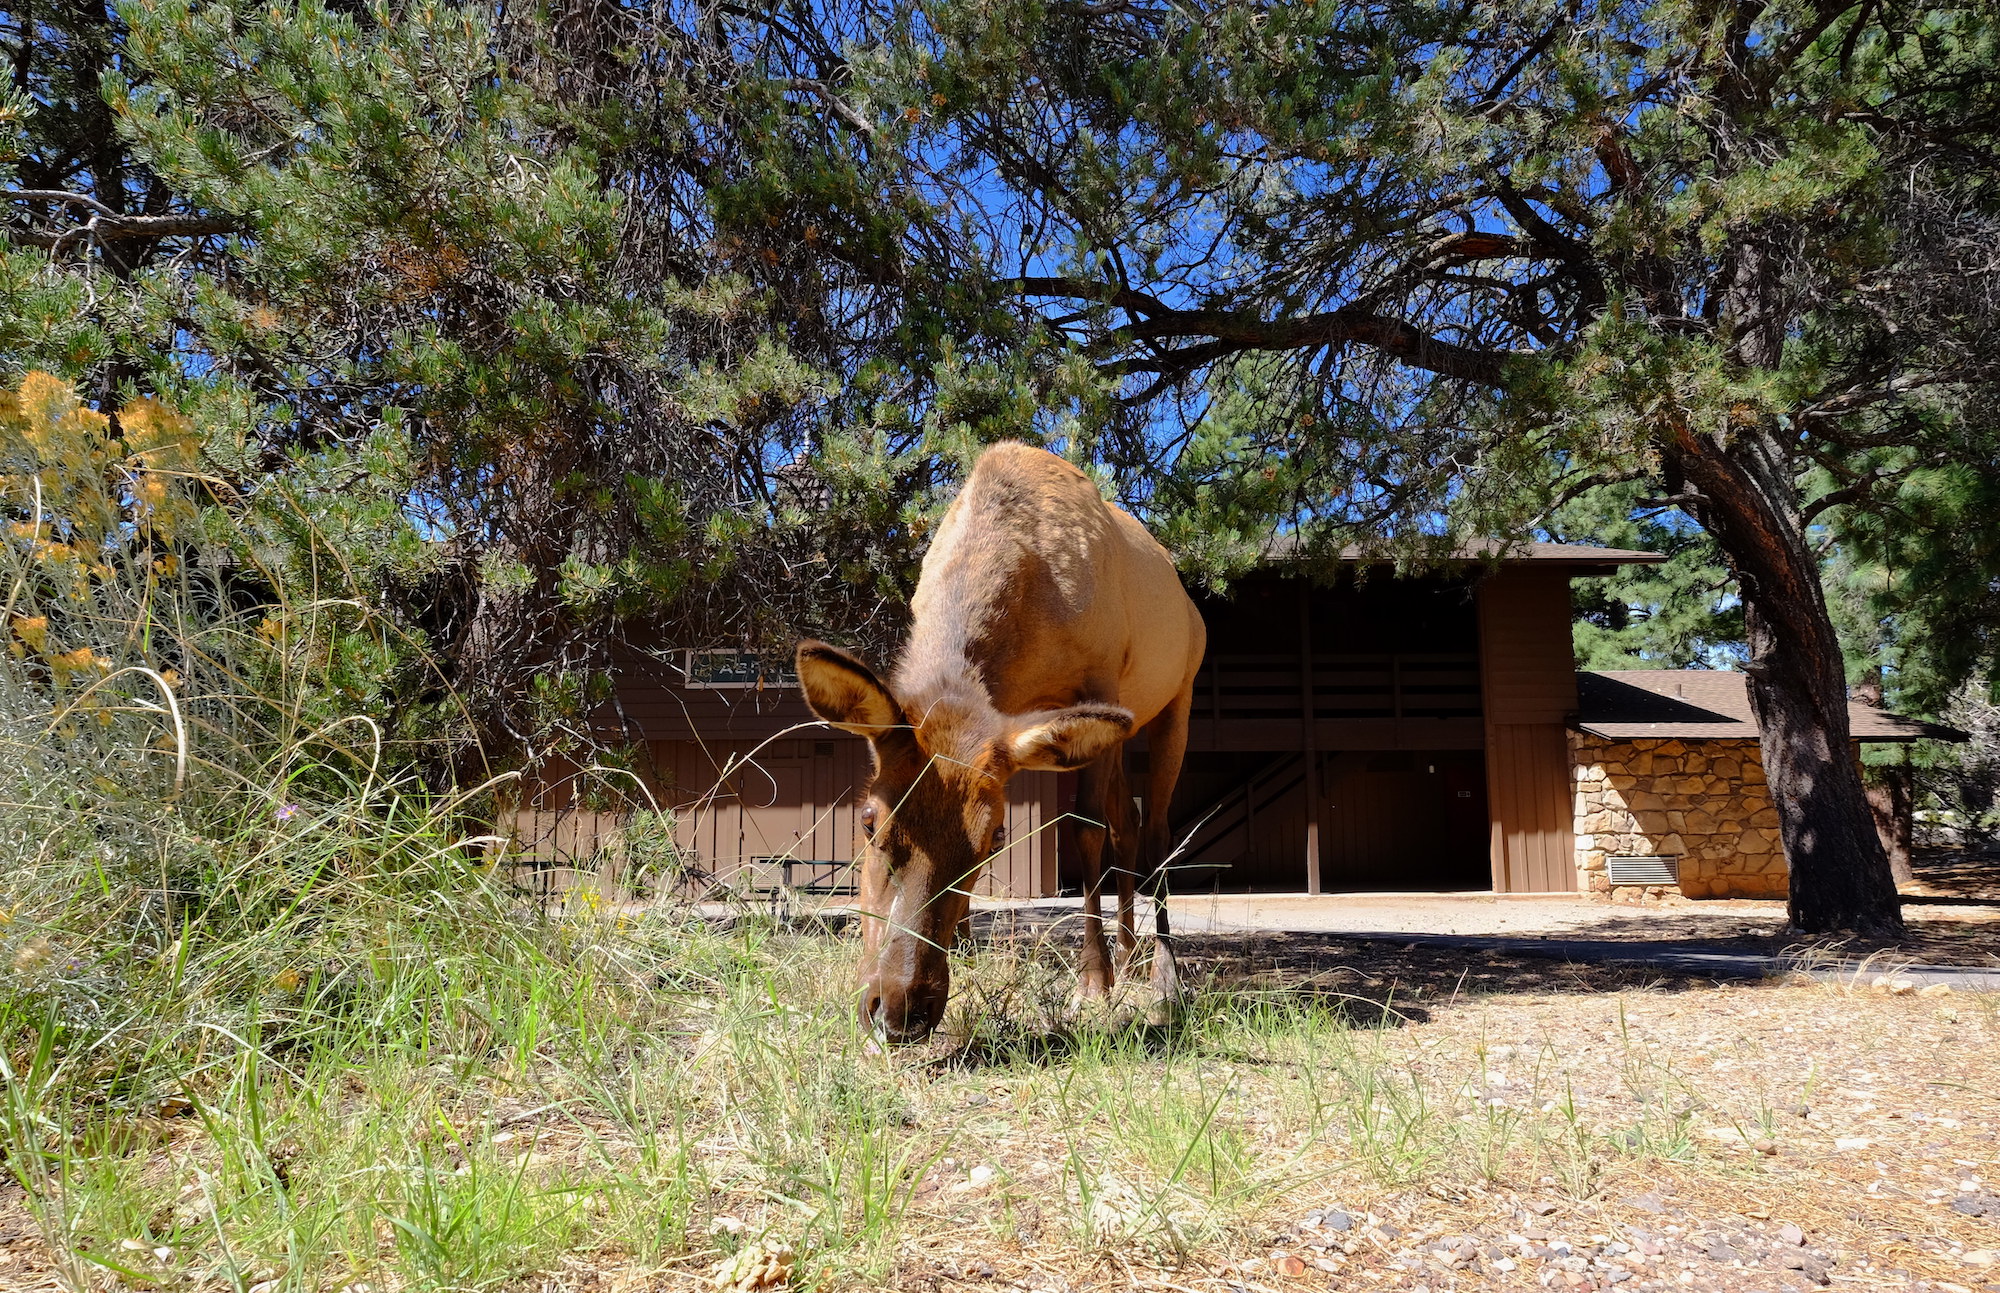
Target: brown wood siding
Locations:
point(1527, 787)
point(734, 802)
point(1528, 674)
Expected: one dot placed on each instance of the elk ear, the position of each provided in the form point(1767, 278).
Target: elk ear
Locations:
point(846, 692)
point(1063, 740)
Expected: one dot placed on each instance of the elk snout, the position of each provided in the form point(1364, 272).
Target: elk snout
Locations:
point(903, 1013)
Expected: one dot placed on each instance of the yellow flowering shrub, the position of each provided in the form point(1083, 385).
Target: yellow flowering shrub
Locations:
point(98, 505)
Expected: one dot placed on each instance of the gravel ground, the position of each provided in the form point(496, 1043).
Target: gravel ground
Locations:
point(1827, 1136)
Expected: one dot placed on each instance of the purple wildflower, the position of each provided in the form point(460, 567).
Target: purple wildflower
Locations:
point(287, 811)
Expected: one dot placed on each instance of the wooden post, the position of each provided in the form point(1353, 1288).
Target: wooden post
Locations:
point(1309, 743)
point(1214, 703)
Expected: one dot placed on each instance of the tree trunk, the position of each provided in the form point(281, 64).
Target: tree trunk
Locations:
point(1742, 493)
point(1891, 797)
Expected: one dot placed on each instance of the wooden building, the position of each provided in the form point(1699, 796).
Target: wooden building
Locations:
point(1379, 734)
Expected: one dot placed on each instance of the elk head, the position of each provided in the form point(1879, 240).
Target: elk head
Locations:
point(934, 813)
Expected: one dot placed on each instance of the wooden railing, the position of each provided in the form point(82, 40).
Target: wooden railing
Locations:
point(1439, 685)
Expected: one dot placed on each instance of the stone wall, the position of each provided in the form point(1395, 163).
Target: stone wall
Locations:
point(1704, 802)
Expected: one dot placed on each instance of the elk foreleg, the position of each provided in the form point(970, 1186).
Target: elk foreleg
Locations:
point(1094, 972)
point(1125, 850)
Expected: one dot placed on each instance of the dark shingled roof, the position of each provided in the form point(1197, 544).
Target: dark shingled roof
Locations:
point(1691, 704)
point(1580, 558)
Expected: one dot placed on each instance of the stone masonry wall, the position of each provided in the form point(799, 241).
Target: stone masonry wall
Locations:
point(1704, 802)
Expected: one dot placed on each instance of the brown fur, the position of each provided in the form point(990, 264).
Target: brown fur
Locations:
point(1049, 627)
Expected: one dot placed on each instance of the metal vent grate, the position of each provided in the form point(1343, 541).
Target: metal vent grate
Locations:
point(1644, 870)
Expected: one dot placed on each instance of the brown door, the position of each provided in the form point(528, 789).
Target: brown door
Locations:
point(772, 810)
point(1405, 820)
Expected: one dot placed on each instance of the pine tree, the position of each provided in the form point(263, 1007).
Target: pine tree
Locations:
point(563, 325)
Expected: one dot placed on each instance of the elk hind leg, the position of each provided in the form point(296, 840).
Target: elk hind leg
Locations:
point(1166, 741)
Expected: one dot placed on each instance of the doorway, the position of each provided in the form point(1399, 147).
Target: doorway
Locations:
point(1405, 820)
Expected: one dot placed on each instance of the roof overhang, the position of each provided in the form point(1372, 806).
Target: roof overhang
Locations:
point(1711, 705)
point(1575, 559)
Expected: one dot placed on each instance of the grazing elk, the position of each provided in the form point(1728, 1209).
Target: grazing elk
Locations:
point(1049, 628)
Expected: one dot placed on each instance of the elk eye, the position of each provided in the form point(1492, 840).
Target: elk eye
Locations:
point(999, 838)
point(868, 821)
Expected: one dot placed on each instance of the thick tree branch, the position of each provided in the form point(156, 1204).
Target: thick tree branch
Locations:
point(1852, 493)
point(841, 107)
point(106, 225)
point(1236, 331)
point(1834, 406)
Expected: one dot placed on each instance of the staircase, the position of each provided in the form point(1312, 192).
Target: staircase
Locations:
point(1222, 832)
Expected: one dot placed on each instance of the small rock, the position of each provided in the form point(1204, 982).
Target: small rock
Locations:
point(1791, 1234)
point(1936, 990)
point(754, 1268)
point(1287, 1265)
point(1337, 1221)
point(1981, 1257)
point(1766, 1146)
point(1851, 1142)
point(1897, 986)
point(981, 1174)
point(1540, 1208)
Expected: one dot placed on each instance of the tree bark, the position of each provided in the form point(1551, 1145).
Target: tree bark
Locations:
point(1743, 495)
point(1891, 797)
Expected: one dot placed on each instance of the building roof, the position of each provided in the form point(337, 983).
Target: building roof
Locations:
point(1692, 704)
point(1577, 558)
